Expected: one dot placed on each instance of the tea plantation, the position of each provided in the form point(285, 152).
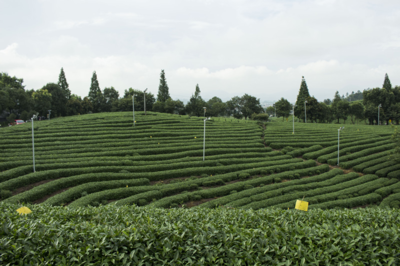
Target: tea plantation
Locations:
point(233, 208)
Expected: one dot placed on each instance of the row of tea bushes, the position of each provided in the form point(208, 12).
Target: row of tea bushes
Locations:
point(122, 235)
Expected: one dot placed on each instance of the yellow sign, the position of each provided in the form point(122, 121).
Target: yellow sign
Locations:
point(24, 210)
point(194, 137)
point(390, 120)
point(301, 205)
point(150, 136)
point(126, 185)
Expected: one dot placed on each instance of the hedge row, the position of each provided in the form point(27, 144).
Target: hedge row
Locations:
point(385, 171)
point(300, 152)
point(198, 152)
point(285, 195)
point(151, 149)
point(316, 154)
point(140, 199)
point(364, 162)
point(371, 198)
point(120, 193)
point(227, 189)
point(392, 201)
point(269, 180)
point(171, 189)
point(130, 144)
point(375, 168)
point(358, 187)
point(394, 187)
point(281, 165)
point(356, 148)
point(394, 174)
point(287, 175)
point(81, 183)
point(362, 153)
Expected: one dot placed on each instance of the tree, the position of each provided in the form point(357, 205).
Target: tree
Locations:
point(250, 105)
point(74, 105)
point(356, 110)
point(270, 110)
point(196, 103)
point(139, 99)
point(328, 101)
point(163, 90)
point(158, 107)
point(11, 82)
point(386, 83)
point(325, 114)
point(301, 97)
point(173, 107)
point(62, 82)
point(110, 96)
point(283, 108)
point(335, 105)
point(215, 107)
point(58, 100)
point(313, 109)
point(42, 100)
point(87, 106)
point(343, 109)
point(95, 94)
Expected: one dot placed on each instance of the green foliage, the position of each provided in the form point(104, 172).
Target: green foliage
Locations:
point(301, 97)
point(4, 194)
point(93, 225)
point(163, 90)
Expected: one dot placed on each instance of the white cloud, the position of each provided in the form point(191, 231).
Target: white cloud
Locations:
point(260, 47)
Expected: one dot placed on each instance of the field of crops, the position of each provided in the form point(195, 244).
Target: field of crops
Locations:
point(129, 235)
point(234, 208)
point(102, 159)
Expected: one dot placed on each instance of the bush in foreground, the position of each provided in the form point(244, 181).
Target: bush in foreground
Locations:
point(130, 235)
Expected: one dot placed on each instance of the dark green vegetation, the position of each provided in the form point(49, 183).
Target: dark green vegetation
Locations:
point(129, 235)
point(102, 159)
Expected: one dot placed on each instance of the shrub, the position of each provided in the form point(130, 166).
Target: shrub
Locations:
point(233, 192)
point(142, 202)
point(248, 187)
point(4, 194)
point(244, 175)
point(124, 172)
point(277, 180)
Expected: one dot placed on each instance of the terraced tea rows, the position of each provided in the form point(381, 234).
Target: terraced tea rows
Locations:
point(101, 159)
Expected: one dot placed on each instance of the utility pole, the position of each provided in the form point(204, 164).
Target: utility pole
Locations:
point(144, 94)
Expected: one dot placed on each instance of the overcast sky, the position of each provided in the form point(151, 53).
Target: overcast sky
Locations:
point(229, 48)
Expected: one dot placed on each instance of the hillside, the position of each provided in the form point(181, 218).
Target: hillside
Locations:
point(101, 159)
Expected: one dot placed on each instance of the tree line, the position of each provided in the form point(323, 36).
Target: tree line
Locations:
point(356, 106)
point(18, 103)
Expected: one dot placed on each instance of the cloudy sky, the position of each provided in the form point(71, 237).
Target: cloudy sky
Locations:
point(229, 48)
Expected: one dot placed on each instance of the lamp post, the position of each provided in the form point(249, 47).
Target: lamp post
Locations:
point(33, 145)
point(305, 111)
point(379, 106)
point(338, 141)
point(144, 95)
point(49, 113)
point(204, 139)
point(293, 117)
point(133, 109)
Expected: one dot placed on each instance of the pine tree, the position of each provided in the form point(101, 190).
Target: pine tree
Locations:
point(95, 94)
point(163, 90)
point(303, 95)
point(386, 84)
point(62, 82)
point(94, 88)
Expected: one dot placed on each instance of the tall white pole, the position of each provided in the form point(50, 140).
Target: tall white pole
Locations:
point(204, 140)
point(33, 148)
point(379, 106)
point(305, 111)
point(133, 109)
point(338, 140)
point(293, 118)
point(144, 94)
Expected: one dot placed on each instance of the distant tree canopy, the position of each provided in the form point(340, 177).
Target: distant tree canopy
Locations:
point(283, 108)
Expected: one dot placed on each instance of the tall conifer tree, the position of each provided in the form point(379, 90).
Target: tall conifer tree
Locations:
point(163, 90)
point(62, 82)
point(386, 84)
point(301, 97)
point(94, 87)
